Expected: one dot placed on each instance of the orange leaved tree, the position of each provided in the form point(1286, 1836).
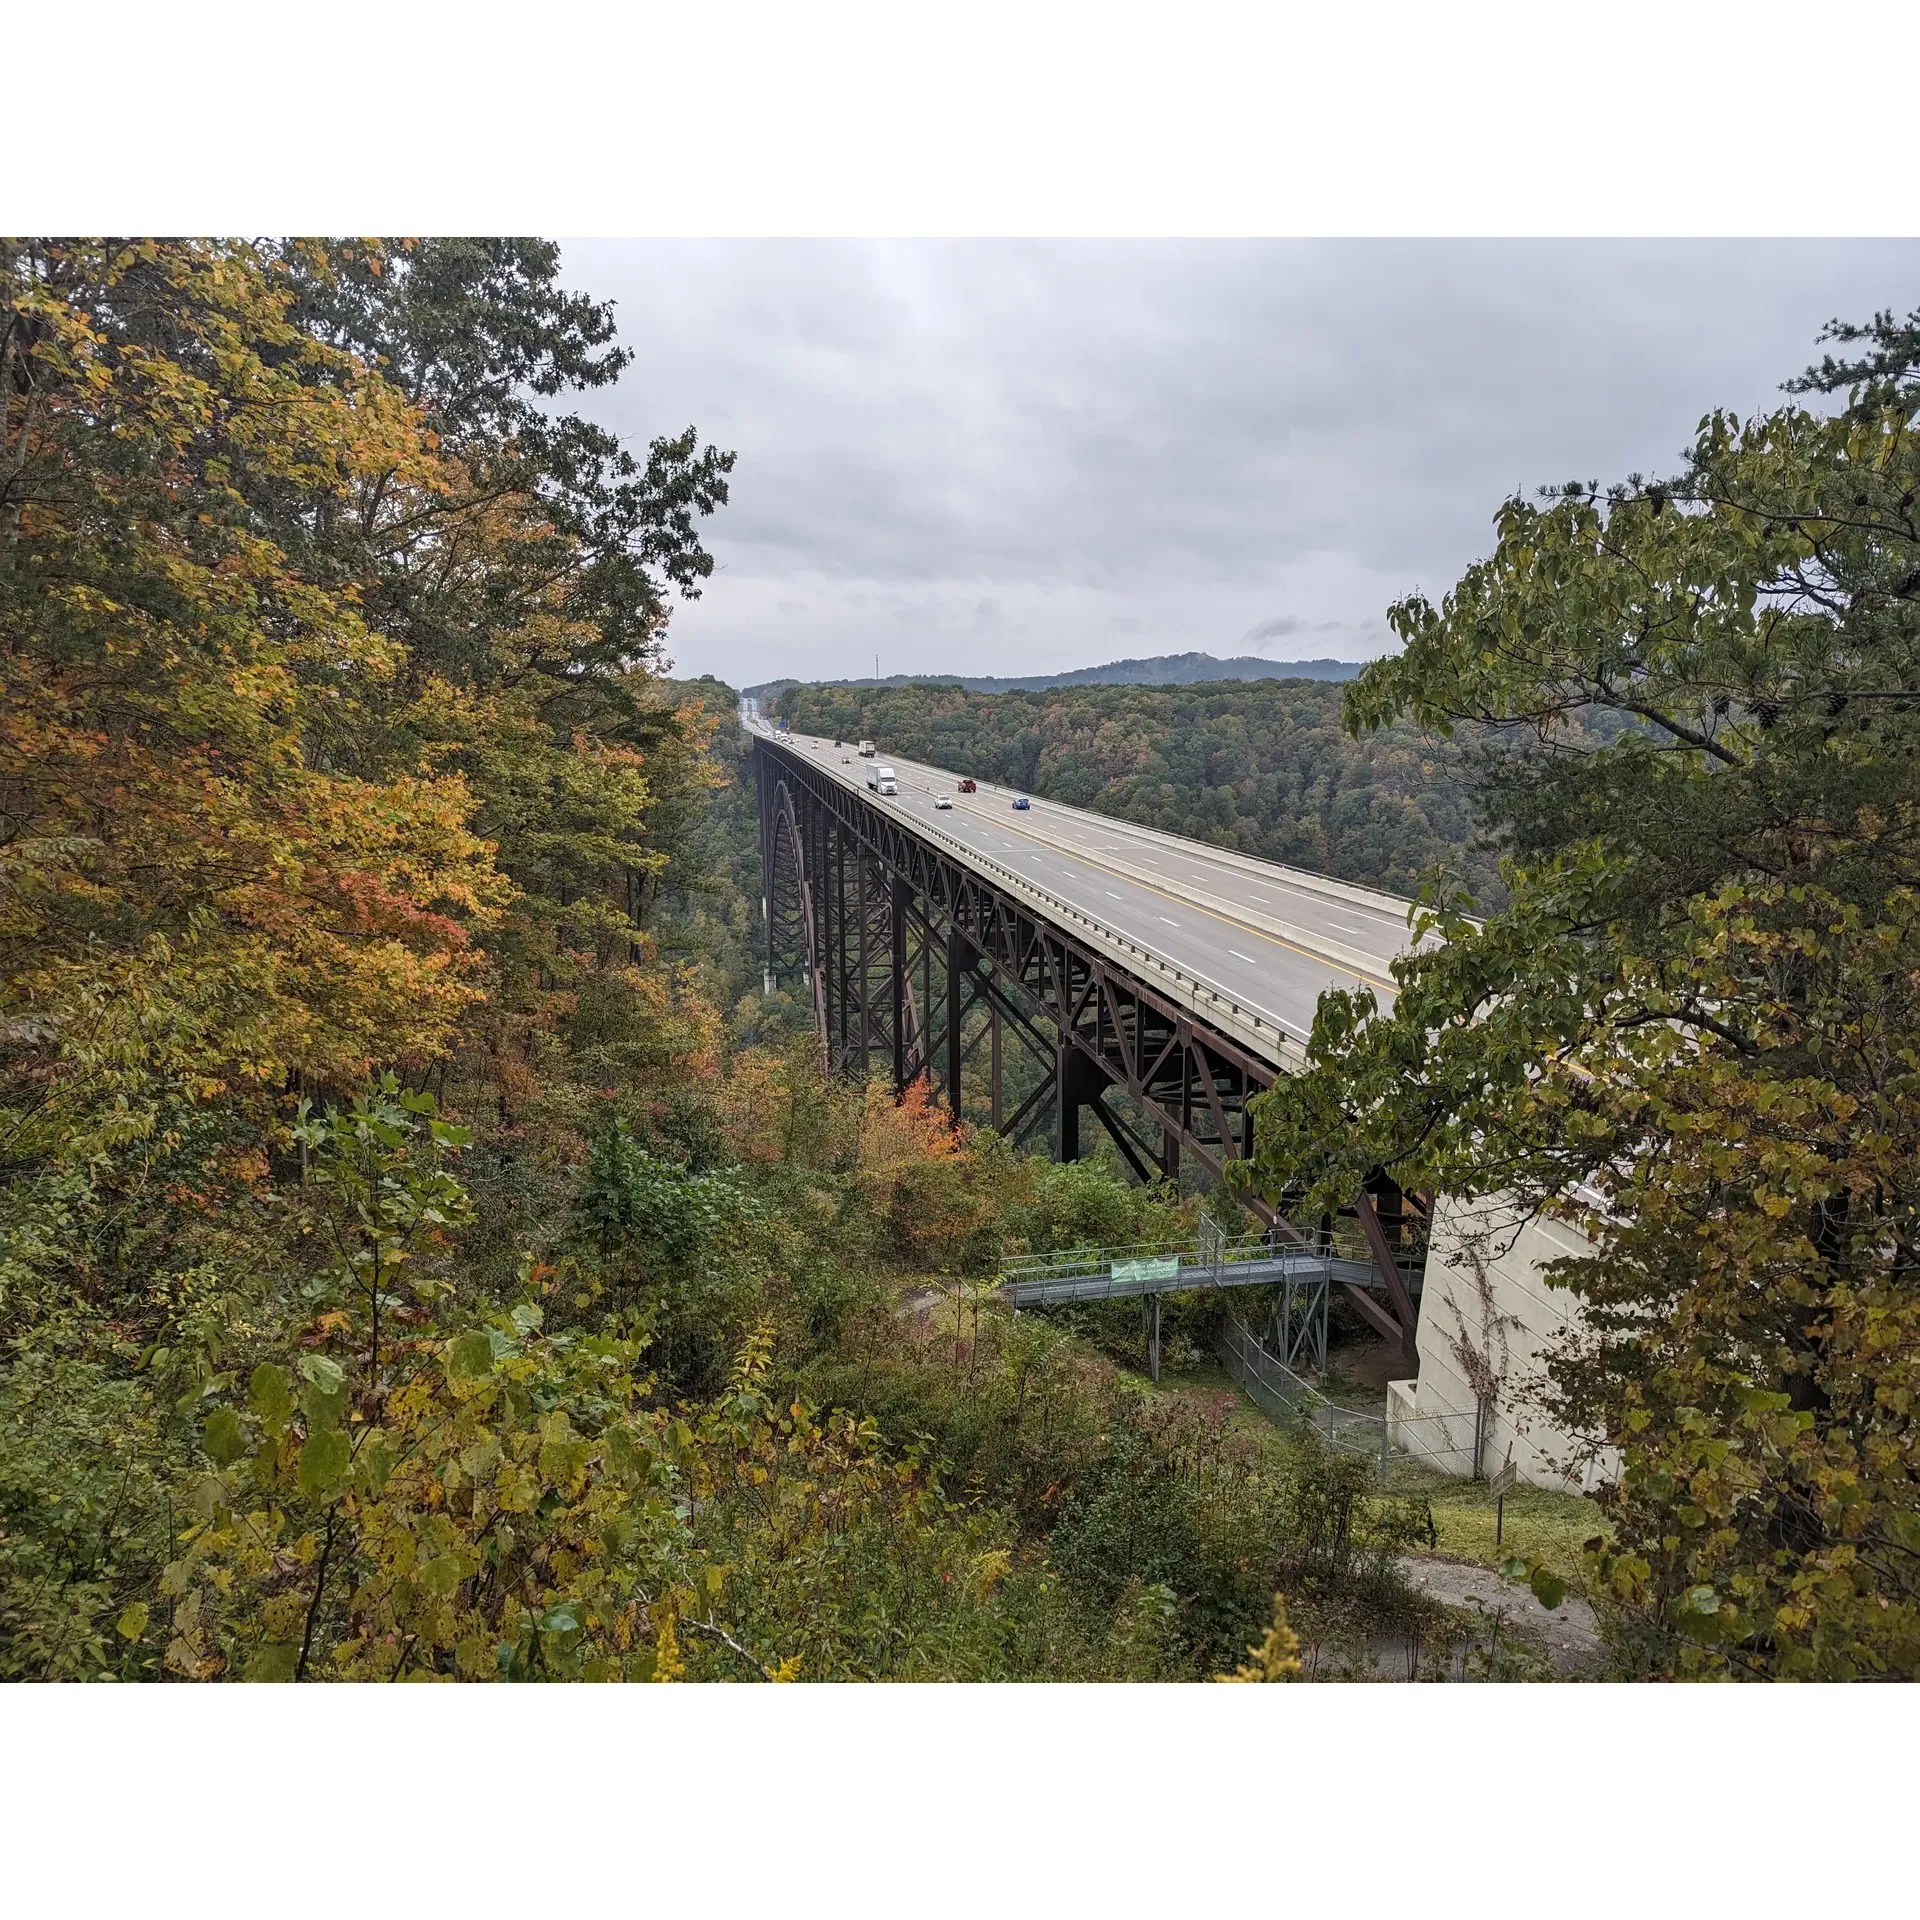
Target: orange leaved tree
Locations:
point(201, 897)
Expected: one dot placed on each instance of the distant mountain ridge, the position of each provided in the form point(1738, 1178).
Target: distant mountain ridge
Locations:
point(1161, 670)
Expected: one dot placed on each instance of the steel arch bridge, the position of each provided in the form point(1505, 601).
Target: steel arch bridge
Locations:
point(921, 955)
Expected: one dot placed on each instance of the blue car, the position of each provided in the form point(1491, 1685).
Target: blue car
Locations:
point(1022, 804)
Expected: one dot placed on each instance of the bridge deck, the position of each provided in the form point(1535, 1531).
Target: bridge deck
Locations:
point(1265, 937)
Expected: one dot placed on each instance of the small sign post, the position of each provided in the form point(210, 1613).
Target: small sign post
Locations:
point(1503, 1483)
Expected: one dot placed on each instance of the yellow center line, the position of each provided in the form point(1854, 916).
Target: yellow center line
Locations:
point(1180, 899)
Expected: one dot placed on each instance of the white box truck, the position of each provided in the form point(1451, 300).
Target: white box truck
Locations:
point(866, 749)
point(882, 779)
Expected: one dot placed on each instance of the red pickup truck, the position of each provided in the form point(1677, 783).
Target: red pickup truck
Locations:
point(967, 786)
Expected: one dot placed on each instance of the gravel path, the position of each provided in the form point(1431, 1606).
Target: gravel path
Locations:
point(1568, 1634)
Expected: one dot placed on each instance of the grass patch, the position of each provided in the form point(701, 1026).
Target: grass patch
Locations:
point(1549, 1527)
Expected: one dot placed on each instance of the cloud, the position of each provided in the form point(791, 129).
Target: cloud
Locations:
point(1281, 629)
point(1180, 436)
point(1290, 627)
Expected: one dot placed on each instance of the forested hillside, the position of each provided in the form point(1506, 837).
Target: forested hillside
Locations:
point(422, 1255)
point(1263, 766)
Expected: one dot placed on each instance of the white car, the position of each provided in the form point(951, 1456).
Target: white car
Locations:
point(943, 804)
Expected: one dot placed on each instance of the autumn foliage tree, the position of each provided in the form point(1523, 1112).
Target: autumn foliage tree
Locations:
point(330, 742)
point(529, 594)
point(203, 896)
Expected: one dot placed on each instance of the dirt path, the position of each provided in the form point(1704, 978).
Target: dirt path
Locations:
point(1569, 1634)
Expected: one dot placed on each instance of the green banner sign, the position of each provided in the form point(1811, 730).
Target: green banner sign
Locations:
point(1145, 1270)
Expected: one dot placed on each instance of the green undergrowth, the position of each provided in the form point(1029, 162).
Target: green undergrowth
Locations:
point(1547, 1527)
point(1169, 1518)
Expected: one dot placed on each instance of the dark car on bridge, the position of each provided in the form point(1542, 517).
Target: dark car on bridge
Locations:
point(1022, 804)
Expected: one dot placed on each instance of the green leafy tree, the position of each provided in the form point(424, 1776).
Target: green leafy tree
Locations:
point(385, 1196)
point(1693, 1029)
point(687, 1256)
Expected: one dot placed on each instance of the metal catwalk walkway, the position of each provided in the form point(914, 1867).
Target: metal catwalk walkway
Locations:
point(1303, 1274)
point(1124, 1273)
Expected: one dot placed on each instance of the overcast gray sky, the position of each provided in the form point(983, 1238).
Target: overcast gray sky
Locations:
point(1021, 457)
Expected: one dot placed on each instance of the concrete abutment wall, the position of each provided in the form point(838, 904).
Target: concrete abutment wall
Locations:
point(1487, 1319)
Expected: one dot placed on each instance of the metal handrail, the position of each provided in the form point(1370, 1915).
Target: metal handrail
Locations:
point(1241, 1247)
point(1023, 1261)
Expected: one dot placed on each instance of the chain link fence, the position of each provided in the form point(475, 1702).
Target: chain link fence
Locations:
point(1285, 1398)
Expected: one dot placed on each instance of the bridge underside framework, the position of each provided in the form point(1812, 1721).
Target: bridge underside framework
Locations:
point(917, 965)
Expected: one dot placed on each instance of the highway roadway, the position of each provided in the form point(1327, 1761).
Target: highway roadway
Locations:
point(1271, 937)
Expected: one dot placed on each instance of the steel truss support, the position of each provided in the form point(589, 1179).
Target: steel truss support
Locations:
point(1300, 1323)
point(899, 983)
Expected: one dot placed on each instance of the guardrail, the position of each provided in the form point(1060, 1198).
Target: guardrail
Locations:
point(1091, 1260)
